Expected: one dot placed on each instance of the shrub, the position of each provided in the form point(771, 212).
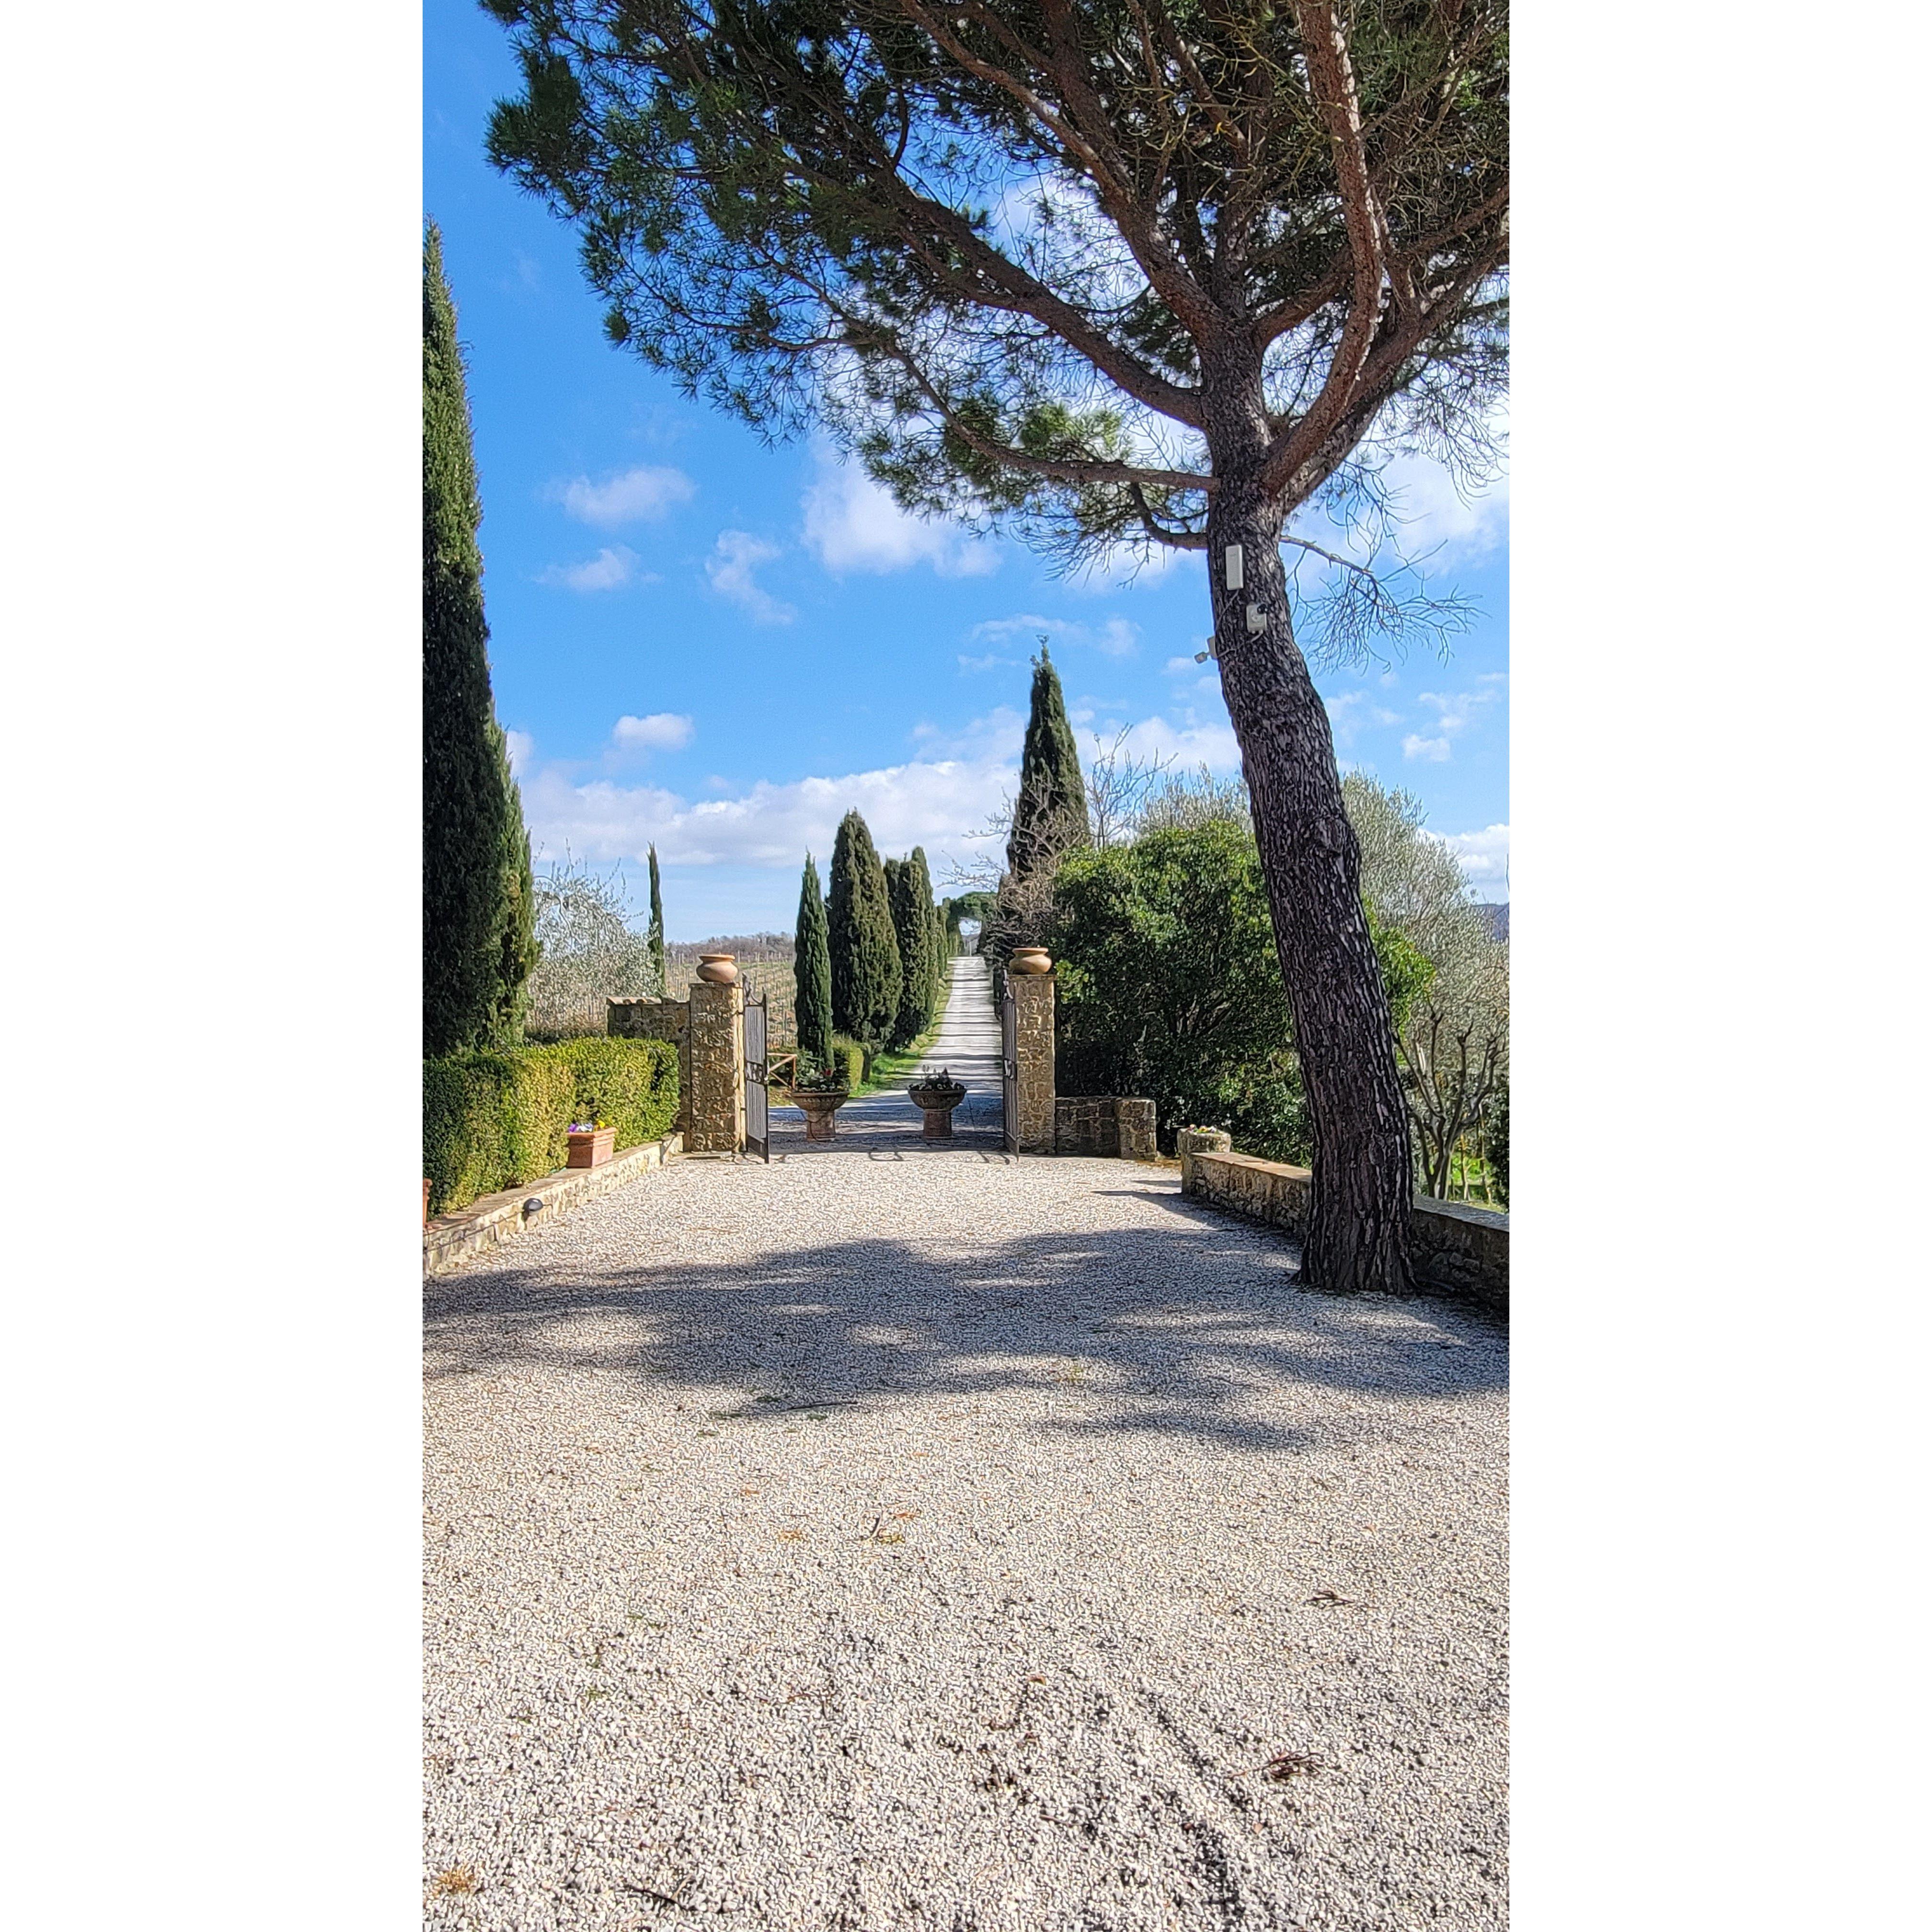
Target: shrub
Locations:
point(630, 1085)
point(850, 1059)
point(493, 1120)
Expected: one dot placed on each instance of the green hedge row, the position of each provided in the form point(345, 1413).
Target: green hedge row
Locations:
point(850, 1058)
point(495, 1120)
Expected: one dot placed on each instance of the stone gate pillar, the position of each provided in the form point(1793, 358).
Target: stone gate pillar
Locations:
point(1031, 986)
point(715, 1057)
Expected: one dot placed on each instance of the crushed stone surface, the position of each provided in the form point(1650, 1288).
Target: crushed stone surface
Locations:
point(949, 1541)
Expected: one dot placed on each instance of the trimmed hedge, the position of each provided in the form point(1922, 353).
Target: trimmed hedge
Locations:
point(495, 1120)
point(851, 1059)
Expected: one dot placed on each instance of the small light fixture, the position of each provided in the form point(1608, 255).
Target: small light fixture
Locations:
point(1201, 657)
point(533, 1206)
point(1233, 555)
point(1257, 620)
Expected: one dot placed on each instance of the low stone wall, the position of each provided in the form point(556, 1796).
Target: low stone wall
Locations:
point(1103, 1124)
point(452, 1239)
point(1459, 1250)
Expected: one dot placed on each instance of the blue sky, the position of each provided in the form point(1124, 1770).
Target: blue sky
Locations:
point(700, 641)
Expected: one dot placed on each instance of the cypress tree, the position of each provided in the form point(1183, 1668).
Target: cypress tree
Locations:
point(655, 938)
point(518, 958)
point(812, 967)
point(479, 906)
point(866, 972)
point(1050, 812)
point(912, 929)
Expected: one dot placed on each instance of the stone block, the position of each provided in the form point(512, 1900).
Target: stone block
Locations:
point(1191, 1141)
point(1103, 1124)
point(716, 1051)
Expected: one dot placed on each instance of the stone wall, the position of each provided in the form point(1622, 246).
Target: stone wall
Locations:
point(1102, 1124)
point(1459, 1250)
point(1033, 1052)
point(658, 1019)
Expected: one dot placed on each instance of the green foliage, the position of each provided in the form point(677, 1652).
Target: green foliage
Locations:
point(478, 905)
point(911, 888)
point(1495, 1141)
point(812, 965)
point(850, 1059)
point(1050, 810)
point(655, 937)
point(866, 977)
point(1169, 987)
point(1407, 970)
point(494, 1118)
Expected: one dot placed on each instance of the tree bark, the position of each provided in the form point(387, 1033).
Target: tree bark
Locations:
point(1358, 1235)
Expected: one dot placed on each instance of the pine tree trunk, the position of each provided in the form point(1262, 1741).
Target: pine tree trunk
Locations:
point(1358, 1235)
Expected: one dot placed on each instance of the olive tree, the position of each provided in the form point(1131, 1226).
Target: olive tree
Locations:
point(1118, 275)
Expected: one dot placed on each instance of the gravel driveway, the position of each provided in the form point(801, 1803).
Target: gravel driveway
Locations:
point(947, 1542)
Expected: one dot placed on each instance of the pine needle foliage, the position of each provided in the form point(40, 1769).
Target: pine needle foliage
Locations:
point(811, 968)
point(866, 976)
point(478, 903)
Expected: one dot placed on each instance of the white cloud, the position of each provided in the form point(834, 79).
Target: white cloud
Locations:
point(610, 569)
point(1179, 667)
point(853, 524)
point(1484, 856)
point(633, 496)
point(990, 662)
point(729, 567)
point(1116, 638)
point(662, 731)
point(1434, 751)
point(522, 748)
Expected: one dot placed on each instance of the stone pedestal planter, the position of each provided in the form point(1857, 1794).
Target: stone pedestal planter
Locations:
point(820, 1105)
point(937, 1104)
point(593, 1149)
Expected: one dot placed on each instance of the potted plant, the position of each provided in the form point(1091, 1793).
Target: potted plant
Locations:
point(591, 1144)
point(936, 1096)
point(820, 1091)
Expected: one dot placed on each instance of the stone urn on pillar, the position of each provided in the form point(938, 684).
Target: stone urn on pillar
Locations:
point(717, 969)
point(1029, 959)
point(936, 1096)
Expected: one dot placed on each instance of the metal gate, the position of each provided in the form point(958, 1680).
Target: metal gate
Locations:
point(757, 1095)
point(1010, 1071)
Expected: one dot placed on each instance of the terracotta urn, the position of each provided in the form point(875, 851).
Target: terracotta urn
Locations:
point(591, 1147)
point(820, 1105)
point(936, 1103)
point(717, 969)
point(1029, 959)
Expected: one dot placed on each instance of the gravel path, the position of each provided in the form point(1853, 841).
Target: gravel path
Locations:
point(955, 1543)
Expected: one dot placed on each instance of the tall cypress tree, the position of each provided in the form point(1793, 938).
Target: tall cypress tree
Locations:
point(1050, 812)
point(913, 930)
point(866, 971)
point(811, 969)
point(478, 907)
point(655, 939)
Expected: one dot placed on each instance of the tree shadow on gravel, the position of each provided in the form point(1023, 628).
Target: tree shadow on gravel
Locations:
point(1173, 1329)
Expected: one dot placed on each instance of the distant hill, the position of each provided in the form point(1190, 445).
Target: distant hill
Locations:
point(745, 945)
point(1498, 915)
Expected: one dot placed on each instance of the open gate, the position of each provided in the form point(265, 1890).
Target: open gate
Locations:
point(1010, 1071)
point(757, 1094)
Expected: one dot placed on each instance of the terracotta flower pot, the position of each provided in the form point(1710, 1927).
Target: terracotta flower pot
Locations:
point(593, 1149)
point(717, 969)
point(937, 1104)
point(1029, 959)
point(819, 1106)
